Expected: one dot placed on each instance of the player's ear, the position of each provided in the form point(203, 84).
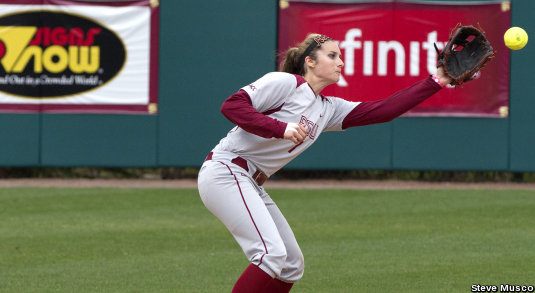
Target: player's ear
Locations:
point(309, 62)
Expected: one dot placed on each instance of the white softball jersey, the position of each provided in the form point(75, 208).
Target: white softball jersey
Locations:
point(287, 98)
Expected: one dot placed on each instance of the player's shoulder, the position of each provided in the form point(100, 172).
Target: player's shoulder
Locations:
point(338, 101)
point(285, 77)
point(331, 98)
point(328, 99)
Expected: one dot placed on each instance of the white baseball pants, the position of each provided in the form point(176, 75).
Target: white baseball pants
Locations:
point(252, 217)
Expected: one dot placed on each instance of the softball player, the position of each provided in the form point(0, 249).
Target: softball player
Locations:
point(278, 117)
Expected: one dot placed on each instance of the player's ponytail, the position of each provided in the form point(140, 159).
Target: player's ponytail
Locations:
point(294, 60)
point(289, 64)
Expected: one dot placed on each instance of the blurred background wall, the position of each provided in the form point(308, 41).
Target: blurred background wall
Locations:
point(208, 50)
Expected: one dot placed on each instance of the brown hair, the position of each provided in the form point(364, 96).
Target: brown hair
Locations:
point(295, 57)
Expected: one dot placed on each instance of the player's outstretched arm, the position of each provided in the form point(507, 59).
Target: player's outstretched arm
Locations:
point(392, 107)
point(386, 110)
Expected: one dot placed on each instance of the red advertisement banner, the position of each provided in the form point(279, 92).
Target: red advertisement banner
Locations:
point(389, 46)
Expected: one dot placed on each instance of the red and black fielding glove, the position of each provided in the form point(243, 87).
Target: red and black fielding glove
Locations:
point(466, 52)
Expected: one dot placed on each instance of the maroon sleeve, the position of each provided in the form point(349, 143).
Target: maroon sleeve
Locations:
point(394, 106)
point(239, 109)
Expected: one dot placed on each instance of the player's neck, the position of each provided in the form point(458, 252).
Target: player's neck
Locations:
point(315, 83)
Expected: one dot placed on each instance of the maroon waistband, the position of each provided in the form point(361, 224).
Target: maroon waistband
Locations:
point(259, 176)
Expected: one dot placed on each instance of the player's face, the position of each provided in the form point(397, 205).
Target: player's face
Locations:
point(329, 62)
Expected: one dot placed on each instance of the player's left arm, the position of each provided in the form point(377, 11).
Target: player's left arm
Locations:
point(386, 110)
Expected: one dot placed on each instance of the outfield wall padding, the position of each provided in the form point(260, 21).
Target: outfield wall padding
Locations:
point(208, 50)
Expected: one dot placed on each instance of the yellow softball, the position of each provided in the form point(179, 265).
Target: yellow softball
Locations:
point(515, 38)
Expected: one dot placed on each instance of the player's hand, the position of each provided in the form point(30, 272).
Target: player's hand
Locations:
point(295, 132)
point(443, 78)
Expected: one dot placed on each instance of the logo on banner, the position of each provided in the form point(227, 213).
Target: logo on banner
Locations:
point(51, 54)
point(353, 44)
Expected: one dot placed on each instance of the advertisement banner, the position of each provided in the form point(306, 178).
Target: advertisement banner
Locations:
point(74, 56)
point(387, 46)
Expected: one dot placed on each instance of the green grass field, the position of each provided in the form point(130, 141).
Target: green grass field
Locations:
point(164, 240)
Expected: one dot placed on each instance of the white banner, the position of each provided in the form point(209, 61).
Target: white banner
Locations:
point(77, 58)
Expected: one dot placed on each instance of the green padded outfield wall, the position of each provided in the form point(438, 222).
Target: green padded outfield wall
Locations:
point(208, 50)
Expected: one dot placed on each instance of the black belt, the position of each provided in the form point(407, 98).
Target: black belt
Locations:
point(259, 177)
